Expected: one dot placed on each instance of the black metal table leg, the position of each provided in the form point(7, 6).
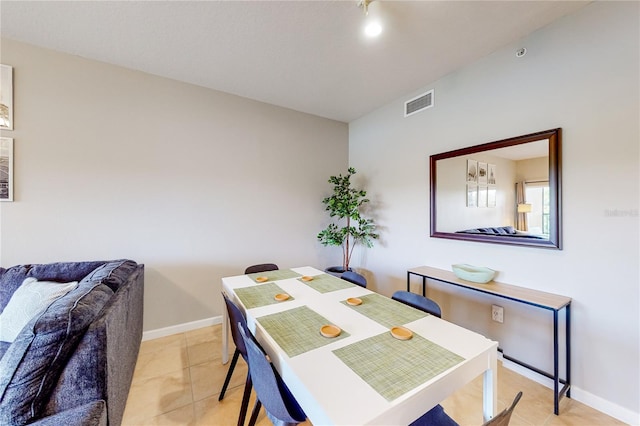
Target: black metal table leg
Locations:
point(568, 344)
point(556, 373)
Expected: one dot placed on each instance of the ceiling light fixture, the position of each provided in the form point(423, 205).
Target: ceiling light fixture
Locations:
point(373, 23)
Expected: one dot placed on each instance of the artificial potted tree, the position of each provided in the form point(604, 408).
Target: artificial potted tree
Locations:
point(350, 227)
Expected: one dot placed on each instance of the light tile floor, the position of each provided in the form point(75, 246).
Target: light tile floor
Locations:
point(178, 379)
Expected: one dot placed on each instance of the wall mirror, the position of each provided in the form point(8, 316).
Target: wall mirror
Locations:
point(503, 192)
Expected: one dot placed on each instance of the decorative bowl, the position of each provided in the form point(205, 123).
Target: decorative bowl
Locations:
point(354, 301)
point(281, 297)
point(401, 333)
point(476, 274)
point(330, 330)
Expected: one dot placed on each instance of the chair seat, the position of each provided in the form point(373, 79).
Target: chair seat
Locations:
point(435, 417)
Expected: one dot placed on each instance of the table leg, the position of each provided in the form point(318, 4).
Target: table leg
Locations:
point(225, 333)
point(556, 369)
point(568, 347)
point(490, 389)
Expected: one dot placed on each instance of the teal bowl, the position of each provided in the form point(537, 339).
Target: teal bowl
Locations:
point(476, 274)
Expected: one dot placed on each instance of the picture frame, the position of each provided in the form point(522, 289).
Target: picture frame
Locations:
point(482, 173)
point(6, 97)
point(492, 193)
point(482, 196)
point(491, 178)
point(6, 169)
point(472, 171)
point(472, 195)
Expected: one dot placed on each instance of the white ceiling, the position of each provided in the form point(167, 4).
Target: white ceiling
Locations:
point(309, 56)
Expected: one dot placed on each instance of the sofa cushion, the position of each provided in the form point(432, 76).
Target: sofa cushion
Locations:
point(13, 277)
point(29, 300)
point(9, 283)
point(90, 414)
point(31, 366)
point(3, 348)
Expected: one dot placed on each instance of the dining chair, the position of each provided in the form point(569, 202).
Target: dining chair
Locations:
point(435, 417)
point(236, 317)
point(417, 301)
point(281, 407)
point(355, 278)
point(503, 418)
point(262, 267)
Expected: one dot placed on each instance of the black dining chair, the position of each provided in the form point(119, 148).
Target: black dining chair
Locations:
point(417, 301)
point(355, 278)
point(236, 317)
point(271, 391)
point(262, 267)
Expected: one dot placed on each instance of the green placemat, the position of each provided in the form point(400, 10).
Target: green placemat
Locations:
point(281, 274)
point(298, 330)
point(394, 367)
point(385, 311)
point(260, 295)
point(324, 283)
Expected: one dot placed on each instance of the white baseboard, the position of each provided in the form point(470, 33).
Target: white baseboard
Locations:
point(180, 328)
point(597, 403)
point(604, 406)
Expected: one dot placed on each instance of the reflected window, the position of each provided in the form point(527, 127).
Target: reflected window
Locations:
point(537, 194)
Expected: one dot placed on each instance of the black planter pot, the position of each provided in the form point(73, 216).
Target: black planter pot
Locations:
point(336, 271)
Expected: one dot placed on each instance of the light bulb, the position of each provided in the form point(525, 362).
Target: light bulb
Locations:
point(373, 28)
point(372, 23)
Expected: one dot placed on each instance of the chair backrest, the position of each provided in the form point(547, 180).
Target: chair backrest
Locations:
point(417, 301)
point(263, 267)
point(502, 419)
point(235, 317)
point(355, 278)
point(270, 389)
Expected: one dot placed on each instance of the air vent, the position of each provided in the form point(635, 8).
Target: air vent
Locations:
point(418, 103)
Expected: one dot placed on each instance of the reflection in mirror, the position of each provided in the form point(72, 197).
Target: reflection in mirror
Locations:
point(505, 192)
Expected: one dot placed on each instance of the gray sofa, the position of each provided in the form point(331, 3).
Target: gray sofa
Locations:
point(73, 363)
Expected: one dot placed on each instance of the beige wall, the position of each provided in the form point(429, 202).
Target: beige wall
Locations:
point(194, 183)
point(582, 74)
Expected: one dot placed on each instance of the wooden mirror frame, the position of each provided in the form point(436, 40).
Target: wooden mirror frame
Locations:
point(555, 201)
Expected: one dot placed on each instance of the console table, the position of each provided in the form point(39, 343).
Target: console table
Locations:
point(540, 299)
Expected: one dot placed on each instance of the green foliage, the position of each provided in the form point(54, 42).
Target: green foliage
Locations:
point(344, 205)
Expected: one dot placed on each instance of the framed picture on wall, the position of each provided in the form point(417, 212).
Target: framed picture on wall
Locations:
point(482, 173)
point(491, 179)
point(472, 195)
point(482, 196)
point(6, 97)
point(491, 196)
point(6, 169)
point(472, 171)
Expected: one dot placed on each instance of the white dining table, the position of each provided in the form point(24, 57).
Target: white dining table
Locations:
point(328, 390)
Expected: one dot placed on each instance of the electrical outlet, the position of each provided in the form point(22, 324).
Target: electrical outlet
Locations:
point(497, 313)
